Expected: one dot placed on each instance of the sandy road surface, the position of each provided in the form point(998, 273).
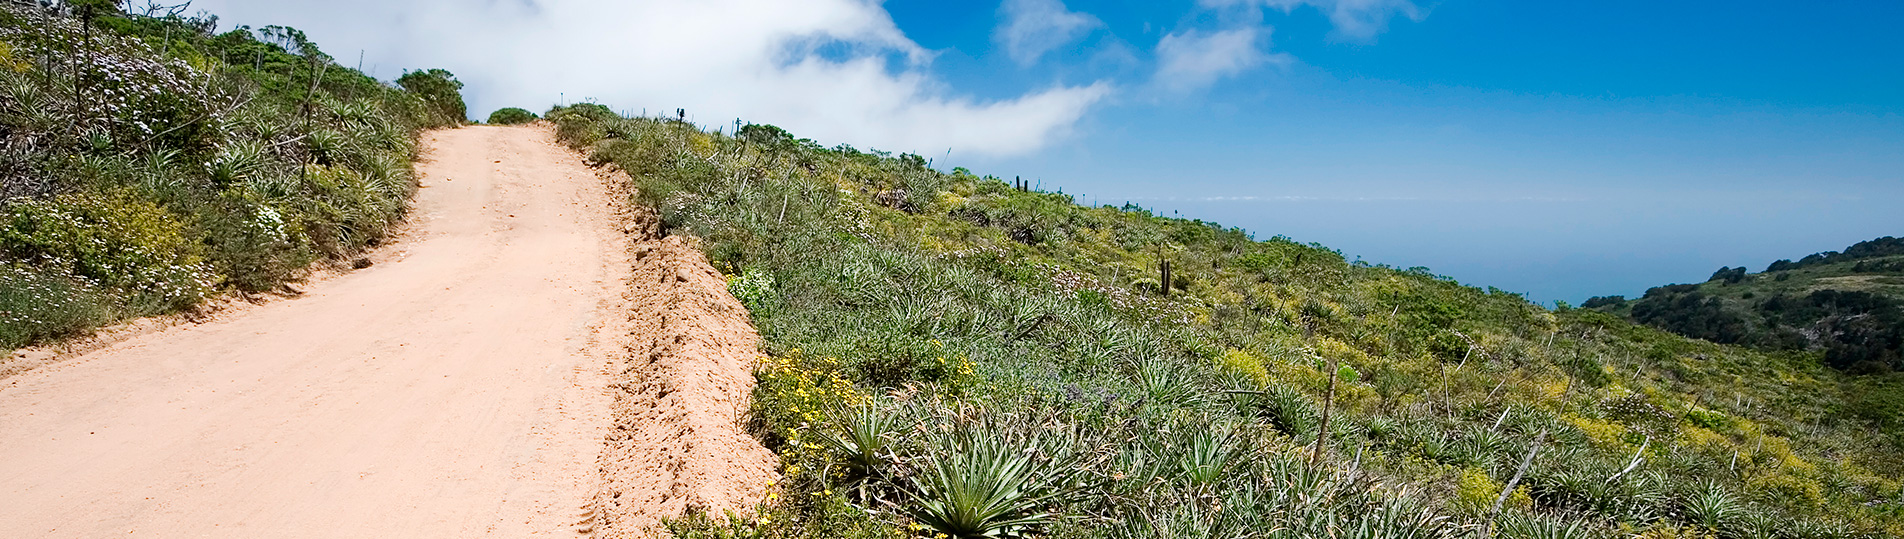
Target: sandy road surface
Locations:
point(455, 389)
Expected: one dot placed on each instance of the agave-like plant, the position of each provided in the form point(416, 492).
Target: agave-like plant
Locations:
point(25, 103)
point(995, 476)
point(862, 437)
point(1479, 446)
point(262, 125)
point(327, 146)
point(1431, 442)
point(1571, 485)
point(97, 141)
point(986, 489)
point(1813, 529)
point(1709, 504)
point(1640, 497)
point(624, 129)
point(1165, 383)
point(1235, 518)
point(1758, 525)
point(1404, 517)
point(236, 162)
point(355, 114)
point(275, 186)
point(1207, 455)
point(1380, 428)
point(157, 172)
point(1288, 409)
point(389, 176)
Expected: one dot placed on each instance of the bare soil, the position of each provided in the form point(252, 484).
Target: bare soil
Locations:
point(496, 372)
point(679, 444)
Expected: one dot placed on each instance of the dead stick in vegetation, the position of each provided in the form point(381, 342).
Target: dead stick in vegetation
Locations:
point(1511, 483)
point(1328, 403)
point(1447, 396)
point(1640, 456)
point(1031, 327)
point(317, 79)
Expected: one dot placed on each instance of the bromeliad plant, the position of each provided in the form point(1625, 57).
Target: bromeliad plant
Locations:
point(957, 471)
point(985, 488)
point(986, 475)
point(862, 436)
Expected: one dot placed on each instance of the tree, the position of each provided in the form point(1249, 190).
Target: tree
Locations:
point(439, 90)
point(767, 136)
point(511, 116)
point(1729, 275)
point(1878, 247)
point(1603, 301)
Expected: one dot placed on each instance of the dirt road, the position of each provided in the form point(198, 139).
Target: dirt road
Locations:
point(457, 388)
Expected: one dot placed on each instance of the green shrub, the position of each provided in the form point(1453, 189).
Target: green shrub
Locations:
point(1709, 419)
point(35, 306)
point(253, 247)
point(123, 244)
point(755, 289)
point(511, 116)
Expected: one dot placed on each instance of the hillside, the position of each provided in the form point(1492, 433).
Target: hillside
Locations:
point(149, 162)
point(1846, 306)
point(945, 354)
point(957, 354)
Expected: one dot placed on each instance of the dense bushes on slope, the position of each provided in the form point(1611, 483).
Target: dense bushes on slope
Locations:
point(149, 161)
point(1682, 309)
point(1847, 307)
point(953, 355)
point(1885, 246)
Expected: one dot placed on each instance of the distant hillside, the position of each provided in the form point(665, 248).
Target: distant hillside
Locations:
point(1848, 305)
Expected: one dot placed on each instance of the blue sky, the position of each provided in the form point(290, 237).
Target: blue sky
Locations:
point(1563, 150)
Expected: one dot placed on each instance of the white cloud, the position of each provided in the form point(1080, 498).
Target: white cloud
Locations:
point(832, 70)
point(1031, 28)
point(1191, 59)
point(1359, 20)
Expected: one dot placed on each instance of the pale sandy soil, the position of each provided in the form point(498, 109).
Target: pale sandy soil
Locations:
point(477, 381)
point(681, 398)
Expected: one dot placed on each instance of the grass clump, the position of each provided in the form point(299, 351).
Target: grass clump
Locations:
point(150, 161)
point(956, 355)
